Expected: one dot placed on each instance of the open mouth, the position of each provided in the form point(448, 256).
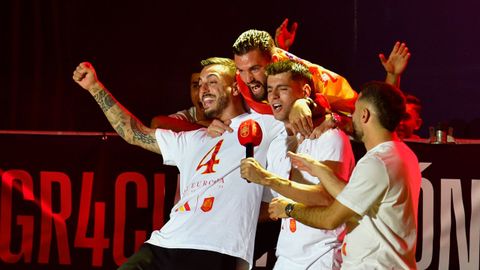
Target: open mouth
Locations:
point(276, 107)
point(207, 100)
point(256, 88)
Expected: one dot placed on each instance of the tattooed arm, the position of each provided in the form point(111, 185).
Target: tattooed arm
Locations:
point(124, 123)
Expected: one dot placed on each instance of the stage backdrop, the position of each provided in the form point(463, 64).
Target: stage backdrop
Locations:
point(88, 200)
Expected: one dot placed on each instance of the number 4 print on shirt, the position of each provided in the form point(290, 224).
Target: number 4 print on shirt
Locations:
point(213, 159)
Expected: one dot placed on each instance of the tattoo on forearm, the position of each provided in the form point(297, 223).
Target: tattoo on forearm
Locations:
point(105, 100)
point(120, 131)
point(124, 123)
point(139, 135)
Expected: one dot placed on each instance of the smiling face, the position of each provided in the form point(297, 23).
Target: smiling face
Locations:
point(251, 68)
point(283, 91)
point(214, 91)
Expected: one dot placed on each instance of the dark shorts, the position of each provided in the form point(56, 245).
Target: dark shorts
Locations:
point(150, 257)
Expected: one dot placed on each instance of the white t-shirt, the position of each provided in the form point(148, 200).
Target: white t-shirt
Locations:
point(383, 191)
point(217, 210)
point(300, 246)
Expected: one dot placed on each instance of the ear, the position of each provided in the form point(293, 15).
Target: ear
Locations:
point(235, 89)
point(366, 114)
point(306, 90)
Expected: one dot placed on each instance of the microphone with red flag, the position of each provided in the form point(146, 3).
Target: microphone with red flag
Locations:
point(249, 135)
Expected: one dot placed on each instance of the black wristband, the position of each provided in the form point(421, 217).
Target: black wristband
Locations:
point(289, 209)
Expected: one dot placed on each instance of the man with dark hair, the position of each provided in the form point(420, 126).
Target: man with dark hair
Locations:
point(388, 104)
point(254, 50)
point(299, 246)
point(412, 121)
point(213, 224)
point(379, 203)
point(297, 71)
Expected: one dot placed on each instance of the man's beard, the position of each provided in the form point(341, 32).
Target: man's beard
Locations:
point(258, 95)
point(222, 102)
point(357, 133)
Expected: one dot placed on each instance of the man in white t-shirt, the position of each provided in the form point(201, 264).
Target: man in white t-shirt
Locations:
point(299, 246)
point(379, 203)
point(213, 224)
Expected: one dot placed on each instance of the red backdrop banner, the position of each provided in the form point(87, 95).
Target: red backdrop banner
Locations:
point(88, 201)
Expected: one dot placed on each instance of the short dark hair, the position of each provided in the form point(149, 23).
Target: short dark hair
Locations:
point(388, 101)
point(298, 71)
point(226, 62)
point(415, 101)
point(254, 39)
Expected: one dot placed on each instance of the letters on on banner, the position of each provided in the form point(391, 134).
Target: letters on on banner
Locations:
point(78, 202)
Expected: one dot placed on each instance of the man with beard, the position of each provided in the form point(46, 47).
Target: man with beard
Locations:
point(299, 246)
point(213, 224)
point(254, 50)
point(379, 203)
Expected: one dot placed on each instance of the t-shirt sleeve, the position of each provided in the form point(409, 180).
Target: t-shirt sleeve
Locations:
point(333, 147)
point(172, 145)
point(337, 148)
point(366, 187)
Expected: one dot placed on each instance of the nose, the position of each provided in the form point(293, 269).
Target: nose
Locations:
point(202, 89)
point(272, 95)
point(248, 77)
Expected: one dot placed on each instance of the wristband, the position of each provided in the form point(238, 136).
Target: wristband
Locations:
point(289, 209)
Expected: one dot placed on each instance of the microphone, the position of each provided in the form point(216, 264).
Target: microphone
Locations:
point(249, 135)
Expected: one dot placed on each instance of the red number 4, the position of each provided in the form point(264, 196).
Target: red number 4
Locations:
point(213, 159)
point(97, 242)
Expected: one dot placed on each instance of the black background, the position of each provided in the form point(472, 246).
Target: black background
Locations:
point(144, 51)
